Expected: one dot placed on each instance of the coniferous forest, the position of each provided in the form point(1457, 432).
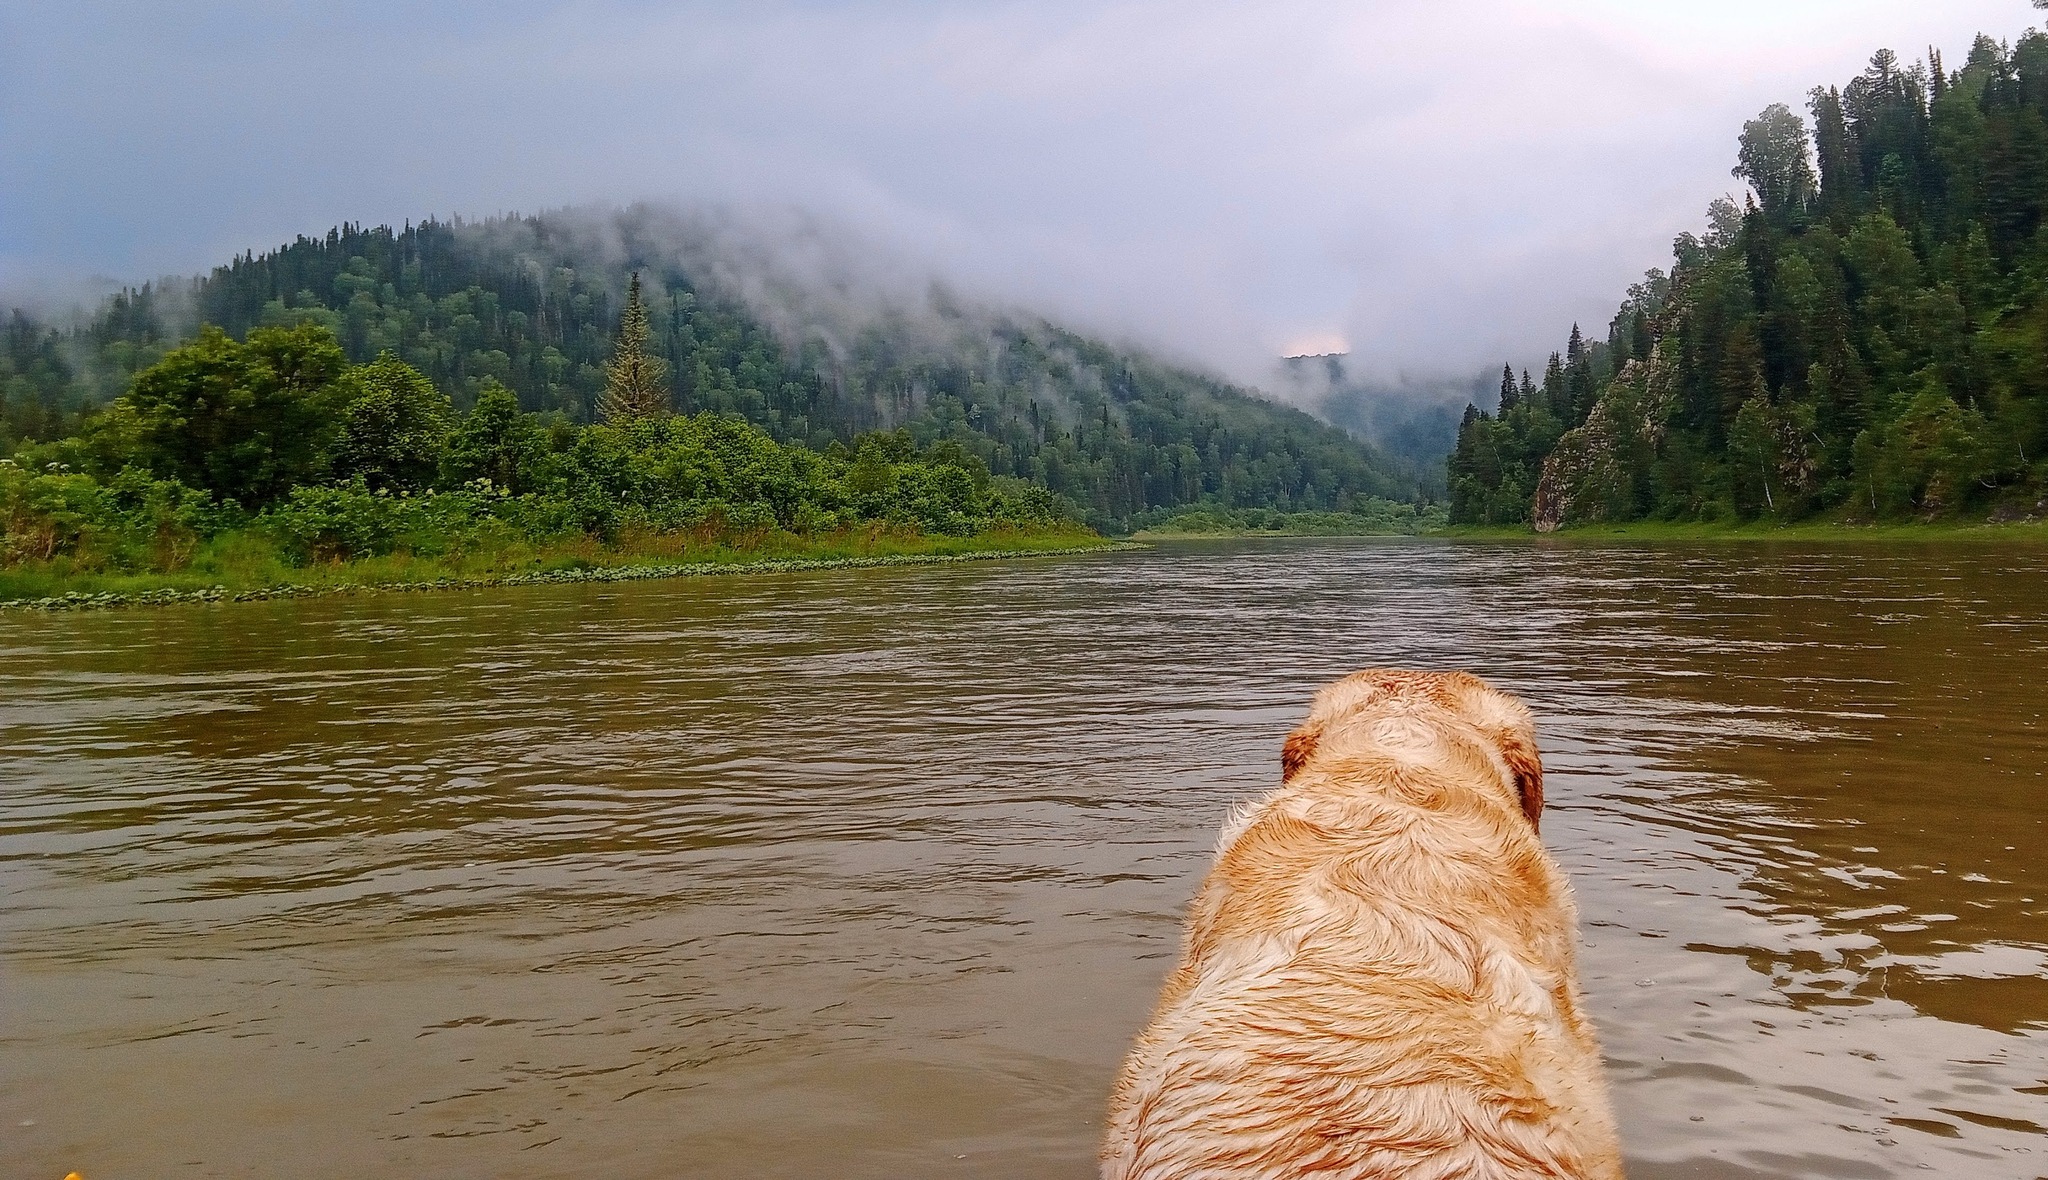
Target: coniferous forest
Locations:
point(1864, 337)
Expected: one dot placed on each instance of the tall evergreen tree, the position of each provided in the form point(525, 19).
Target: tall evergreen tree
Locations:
point(1509, 393)
point(633, 386)
point(1832, 147)
point(1557, 395)
point(1579, 384)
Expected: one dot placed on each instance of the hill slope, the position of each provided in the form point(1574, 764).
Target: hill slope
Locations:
point(533, 302)
point(1869, 341)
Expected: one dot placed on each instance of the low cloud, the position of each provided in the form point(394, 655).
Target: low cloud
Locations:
point(1439, 186)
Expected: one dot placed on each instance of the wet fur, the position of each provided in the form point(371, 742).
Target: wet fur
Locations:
point(1377, 978)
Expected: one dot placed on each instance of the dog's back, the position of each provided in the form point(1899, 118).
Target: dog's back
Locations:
point(1378, 977)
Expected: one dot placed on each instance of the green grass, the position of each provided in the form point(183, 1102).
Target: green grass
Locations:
point(247, 565)
point(1378, 519)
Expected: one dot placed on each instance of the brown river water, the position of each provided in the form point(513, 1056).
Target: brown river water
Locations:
point(875, 873)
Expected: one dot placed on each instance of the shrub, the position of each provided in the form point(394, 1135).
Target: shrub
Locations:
point(349, 521)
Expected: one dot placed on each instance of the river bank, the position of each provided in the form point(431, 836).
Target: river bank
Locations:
point(1663, 530)
point(1631, 532)
point(1372, 518)
point(221, 578)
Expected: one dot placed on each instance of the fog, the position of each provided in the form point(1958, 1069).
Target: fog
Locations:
point(1431, 187)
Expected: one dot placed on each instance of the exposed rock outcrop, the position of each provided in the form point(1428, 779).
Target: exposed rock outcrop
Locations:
point(1595, 470)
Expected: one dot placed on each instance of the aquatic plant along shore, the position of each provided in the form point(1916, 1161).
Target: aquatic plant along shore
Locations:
point(575, 570)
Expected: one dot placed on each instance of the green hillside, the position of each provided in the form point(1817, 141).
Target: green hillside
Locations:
point(534, 302)
point(1866, 339)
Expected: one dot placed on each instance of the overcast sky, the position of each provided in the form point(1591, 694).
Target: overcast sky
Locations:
point(1433, 185)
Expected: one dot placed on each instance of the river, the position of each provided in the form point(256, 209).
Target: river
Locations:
point(875, 873)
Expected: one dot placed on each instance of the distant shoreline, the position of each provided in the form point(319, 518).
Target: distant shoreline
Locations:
point(172, 596)
point(1651, 530)
point(1149, 535)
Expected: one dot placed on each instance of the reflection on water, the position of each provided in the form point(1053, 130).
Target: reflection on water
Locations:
point(874, 873)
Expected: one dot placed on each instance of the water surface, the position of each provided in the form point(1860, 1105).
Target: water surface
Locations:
point(874, 873)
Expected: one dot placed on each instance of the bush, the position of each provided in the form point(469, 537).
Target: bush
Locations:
point(47, 513)
point(131, 521)
point(350, 521)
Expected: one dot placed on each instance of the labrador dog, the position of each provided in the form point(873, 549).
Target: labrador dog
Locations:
point(1376, 979)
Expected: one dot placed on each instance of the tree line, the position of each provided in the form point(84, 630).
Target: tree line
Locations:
point(278, 438)
point(1865, 337)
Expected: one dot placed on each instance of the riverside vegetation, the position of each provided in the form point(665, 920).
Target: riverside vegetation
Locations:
point(475, 402)
point(273, 461)
point(1867, 342)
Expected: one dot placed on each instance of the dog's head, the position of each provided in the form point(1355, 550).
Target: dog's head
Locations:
point(1499, 719)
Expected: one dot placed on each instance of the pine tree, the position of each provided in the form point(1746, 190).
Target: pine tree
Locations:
point(1509, 393)
point(633, 386)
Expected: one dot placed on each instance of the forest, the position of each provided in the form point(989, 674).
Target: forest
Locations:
point(531, 305)
point(249, 458)
point(1864, 337)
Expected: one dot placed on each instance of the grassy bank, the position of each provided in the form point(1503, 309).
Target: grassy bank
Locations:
point(1658, 530)
point(242, 566)
point(1372, 518)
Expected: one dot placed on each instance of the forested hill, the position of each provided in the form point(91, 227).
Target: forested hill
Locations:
point(534, 303)
point(1866, 338)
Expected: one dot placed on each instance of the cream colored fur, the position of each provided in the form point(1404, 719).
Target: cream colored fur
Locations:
point(1377, 977)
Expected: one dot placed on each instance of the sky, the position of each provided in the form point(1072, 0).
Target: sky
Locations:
point(1431, 186)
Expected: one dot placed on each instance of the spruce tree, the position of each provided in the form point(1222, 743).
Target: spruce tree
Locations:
point(1618, 341)
point(1555, 395)
point(633, 380)
point(1839, 171)
point(1579, 379)
point(1509, 393)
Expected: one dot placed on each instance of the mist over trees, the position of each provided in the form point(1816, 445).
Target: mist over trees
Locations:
point(1865, 337)
point(1411, 422)
point(533, 305)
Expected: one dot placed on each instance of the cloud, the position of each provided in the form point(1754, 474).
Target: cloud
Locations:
point(1440, 185)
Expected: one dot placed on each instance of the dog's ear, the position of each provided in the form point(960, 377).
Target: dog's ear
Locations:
point(1526, 764)
point(1299, 747)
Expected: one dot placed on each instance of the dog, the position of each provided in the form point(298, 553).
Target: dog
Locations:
point(1377, 978)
